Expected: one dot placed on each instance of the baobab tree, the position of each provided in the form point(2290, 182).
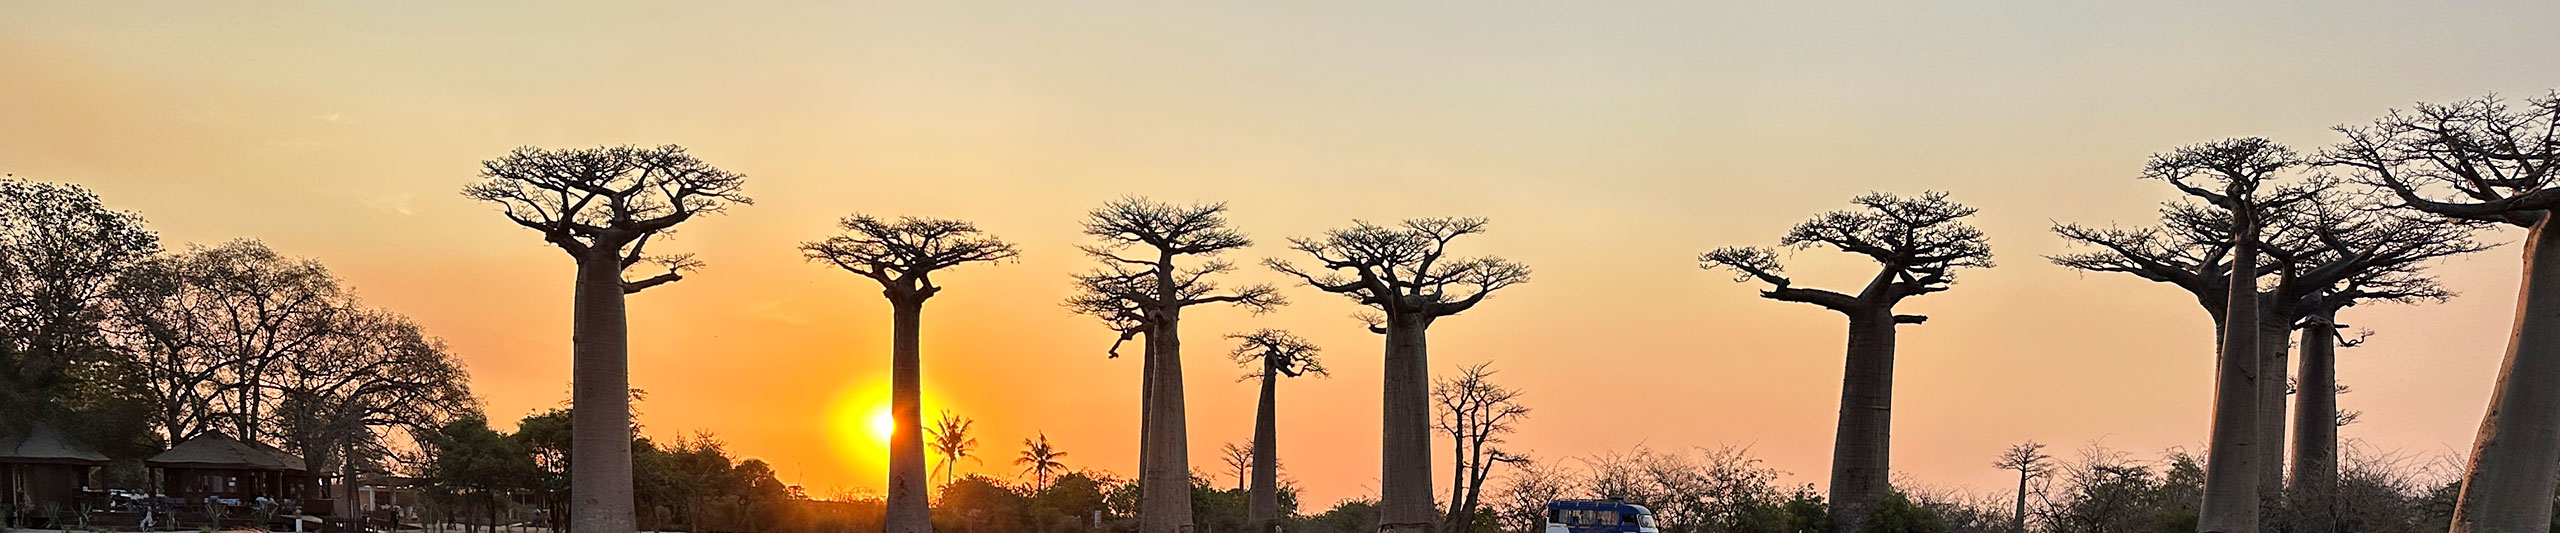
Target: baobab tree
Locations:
point(2327, 239)
point(2029, 460)
point(1040, 459)
point(902, 256)
point(2483, 162)
point(1919, 243)
point(1474, 412)
point(1273, 354)
point(603, 206)
point(2351, 252)
point(1406, 274)
point(2242, 177)
point(1145, 295)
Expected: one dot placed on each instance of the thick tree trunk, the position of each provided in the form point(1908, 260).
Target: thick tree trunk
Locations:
point(908, 508)
point(1262, 507)
point(2515, 461)
point(2018, 517)
point(2275, 354)
point(1459, 459)
point(1146, 404)
point(600, 423)
point(2315, 429)
point(1404, 496)
point(1861, 451)
point(2231, 498)
point(1164, 498)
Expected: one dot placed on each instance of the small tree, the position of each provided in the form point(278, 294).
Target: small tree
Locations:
point(1406, 274)
point(951, 440)
point(602, 206)
point(902, 256)
point(1474, 413)
point(1276, 353)
point(2029, 459)
point(1040, 460)
point(1918, 242)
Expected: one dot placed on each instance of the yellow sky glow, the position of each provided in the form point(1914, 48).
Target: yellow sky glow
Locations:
point(1608, 146)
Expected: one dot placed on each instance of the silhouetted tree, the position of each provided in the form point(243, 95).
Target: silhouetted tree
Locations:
point(603, 206)
point(951, 440)
point(1040, 460)
point(1145, 295)
point(1239, 459)
point(2354, 253)
point(2483, 162)
point(902, 256)
point(380, 374)
point(2243, 171)
point(1406, 274)
point(1274, 353)
point(2029, 460)
point(62, 251)
point(2323, 242)
point(1475, 413)
point(211, 325)
point(1918, 242)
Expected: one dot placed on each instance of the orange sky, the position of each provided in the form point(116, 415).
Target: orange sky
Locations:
point(1609, 148)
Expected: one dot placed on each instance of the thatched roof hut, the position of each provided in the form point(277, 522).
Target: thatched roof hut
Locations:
point(216, 451)
point(40, 468)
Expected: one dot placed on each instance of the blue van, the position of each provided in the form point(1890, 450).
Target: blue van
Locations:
point(1598, 516)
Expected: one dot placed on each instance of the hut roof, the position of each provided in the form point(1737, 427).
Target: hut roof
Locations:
point(215, 450)
point(42, 444)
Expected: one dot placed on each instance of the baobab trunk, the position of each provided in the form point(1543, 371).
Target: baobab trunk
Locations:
point(1164, 500)
point(2231, 498)
point(1262, 506)
point(2275, 354)
point(2515, 461)
point(2315, 428)
point(1405, 467)
point(600, 420)
point(2018, 517)
point(908, 508)
point(1861, 451)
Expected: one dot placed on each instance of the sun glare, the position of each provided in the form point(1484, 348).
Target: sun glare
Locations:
point(880, 423)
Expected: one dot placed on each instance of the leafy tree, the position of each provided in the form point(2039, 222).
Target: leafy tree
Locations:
point(975, 503)
point(902, 256)
point(467, 459)
point(1406, 274)
point(1918, 243)
point(1145, 295)
point(62, 251)
point(603, 206)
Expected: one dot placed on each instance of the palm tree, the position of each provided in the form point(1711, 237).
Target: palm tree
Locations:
point(902, 256)
point(602, 206)
point(951, 440)
point(1040, 459)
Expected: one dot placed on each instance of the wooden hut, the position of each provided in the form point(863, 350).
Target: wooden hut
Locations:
point(215, 467)
point(39, 469)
